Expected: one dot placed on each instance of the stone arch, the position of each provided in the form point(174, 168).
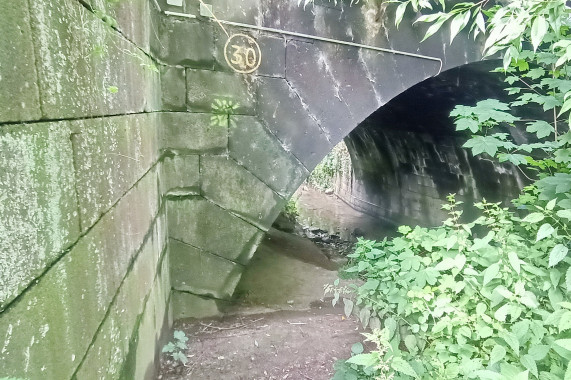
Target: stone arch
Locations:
point(305, 98)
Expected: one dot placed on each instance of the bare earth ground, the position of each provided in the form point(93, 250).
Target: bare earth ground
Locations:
point(280, 328)
point(294, 345)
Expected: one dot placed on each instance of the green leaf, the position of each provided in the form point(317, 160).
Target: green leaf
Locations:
point(538, 30)
point(538, 352)
point(497, 354)
point(534, 217)
point(484, 144)
point(490, 273)
point(568, 279)
point(467, 123)
point(541, 128)
point(180, 335)
point(435, 27)
point(566, 214)
point(399, 13)
point(446, 264)
point(169, 347)
point(511, 340)
point(565, 322)
point(365, 360)
point(357, 348)
point(564, 343)
point(568, 372)
point(458, 23)
point(480, 22)
point(348, 307)
point(400, 365)
point(514, 261)
point(410, 343)
point(558, 253)
point(544, 231)
point(528, 362)
point(486, 374)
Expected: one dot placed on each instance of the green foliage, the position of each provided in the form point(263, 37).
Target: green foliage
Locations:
point(291, 210)
point(334, 163)
point(459, 304)
point(176, 348)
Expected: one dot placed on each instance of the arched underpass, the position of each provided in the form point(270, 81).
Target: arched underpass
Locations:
point(124, 205)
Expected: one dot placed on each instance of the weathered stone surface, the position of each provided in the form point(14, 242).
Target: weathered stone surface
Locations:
point(192, 133)
point(82, 61)
point(253, 147)
point(38, 205)
point(106, 357)
point(204, 87)
point(128, 16)
point(155, 322)
point(184, 42)
point(110, 155)
point(234, 188)
point(188, 305)
point(19, 94)
point(202, 273)
point(244, 11)
point(180, 175)
point(273, 56)
point(173, 88)
point(204, 225)
point(46, 333)
point(283, 112)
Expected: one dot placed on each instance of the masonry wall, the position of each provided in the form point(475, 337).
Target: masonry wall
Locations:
point(84, 269)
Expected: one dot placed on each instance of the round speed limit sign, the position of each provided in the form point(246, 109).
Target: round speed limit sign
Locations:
point(242, 53)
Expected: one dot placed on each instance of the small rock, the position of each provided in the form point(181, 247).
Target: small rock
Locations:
point(328, 191)
point(290, 302)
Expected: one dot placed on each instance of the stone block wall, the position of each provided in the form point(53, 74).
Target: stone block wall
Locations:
point(84, 269)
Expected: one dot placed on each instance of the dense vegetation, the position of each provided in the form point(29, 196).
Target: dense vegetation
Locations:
point(487, 299)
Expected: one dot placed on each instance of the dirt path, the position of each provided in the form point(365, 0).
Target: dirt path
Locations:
point(294, 345)
point(280, 327)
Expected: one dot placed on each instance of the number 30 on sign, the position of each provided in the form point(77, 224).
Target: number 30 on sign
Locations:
point(242, 53)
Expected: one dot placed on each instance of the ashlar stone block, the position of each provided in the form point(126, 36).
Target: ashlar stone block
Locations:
point(38, 202)
point(192, 133)
point(204, 225)
point(202, 273)
point(237, 190)
point(252, 146)
point(205, 86)
point(19, 93)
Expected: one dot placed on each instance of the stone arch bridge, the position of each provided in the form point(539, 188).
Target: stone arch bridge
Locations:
point(127, 200)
